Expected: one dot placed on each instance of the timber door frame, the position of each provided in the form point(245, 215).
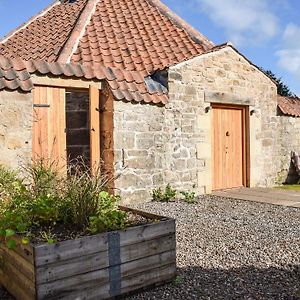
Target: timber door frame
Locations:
point(43, 102)
point(245, 140)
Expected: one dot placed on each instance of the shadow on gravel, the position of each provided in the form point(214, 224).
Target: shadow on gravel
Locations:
point(240, 283)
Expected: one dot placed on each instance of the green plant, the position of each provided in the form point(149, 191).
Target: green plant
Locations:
point(200, 292)
point(167, 195)
point(48, 236)
point(189, 197)
point(10, 185)
point(50, 199)
point(177, 280)
point(107, 217)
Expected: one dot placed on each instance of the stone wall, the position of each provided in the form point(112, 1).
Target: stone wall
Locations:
point(15, 128)
point(289, 140)
point(226, 76)
point(139, 143)
point(159, 145)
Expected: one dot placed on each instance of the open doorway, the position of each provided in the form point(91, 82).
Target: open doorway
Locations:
point(67, 126)
point(77, 127)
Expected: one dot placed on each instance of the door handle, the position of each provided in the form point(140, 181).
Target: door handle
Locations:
point(227, 133)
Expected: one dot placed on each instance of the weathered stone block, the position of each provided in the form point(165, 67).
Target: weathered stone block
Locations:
point(144, 143)
point(141, 163)
point(203, 151)
point(173, 75)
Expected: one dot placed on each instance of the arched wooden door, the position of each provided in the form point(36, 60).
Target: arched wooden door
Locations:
point(229, 147)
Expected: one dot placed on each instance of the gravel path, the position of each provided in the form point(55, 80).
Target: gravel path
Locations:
point(230, 249)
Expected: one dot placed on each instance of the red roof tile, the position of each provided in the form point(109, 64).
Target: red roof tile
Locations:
point(136, 35)
point(140, 35)
point(125, 85)
point(44, 36)
point(126, 40)
point(289, 106)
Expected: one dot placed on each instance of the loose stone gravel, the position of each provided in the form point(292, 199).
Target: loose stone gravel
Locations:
point(230, 249)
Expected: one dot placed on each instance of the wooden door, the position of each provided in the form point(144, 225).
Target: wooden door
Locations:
point(49, 123)
point(94, 129)
point(229, 147)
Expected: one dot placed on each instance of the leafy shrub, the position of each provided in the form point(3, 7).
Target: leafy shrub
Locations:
point(108, 217)
point(49, 199)
point(189, 197)
point(167, 195)
point(10, 184)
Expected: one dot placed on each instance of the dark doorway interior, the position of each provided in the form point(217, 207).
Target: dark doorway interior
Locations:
point(77, 131)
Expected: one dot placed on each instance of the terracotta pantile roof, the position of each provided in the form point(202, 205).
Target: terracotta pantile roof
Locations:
point(289, 106)
point(125, 85)
point(134, 35)
point(14, 75)
point(43, 36)
point(130, 39)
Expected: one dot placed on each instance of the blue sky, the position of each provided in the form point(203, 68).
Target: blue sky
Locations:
point(266, 31)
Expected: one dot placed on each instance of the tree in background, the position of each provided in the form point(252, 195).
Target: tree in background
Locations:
point(282, 88)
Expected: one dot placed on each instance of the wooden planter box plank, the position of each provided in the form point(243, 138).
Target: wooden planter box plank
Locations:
point(46, 254)
point(17, 270)
point(95, 267)
point(148, 278)
point(71, 267)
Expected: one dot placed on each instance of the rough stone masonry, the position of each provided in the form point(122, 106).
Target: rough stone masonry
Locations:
point(15, 129)
point(156, 145)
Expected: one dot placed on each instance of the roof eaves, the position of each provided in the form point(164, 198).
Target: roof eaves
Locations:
point(28, 22)
point(179, 22)
point(77, 32)
point(289, 106)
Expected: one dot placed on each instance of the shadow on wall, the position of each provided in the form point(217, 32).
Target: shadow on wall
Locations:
point(293, 176)
point(236, 283)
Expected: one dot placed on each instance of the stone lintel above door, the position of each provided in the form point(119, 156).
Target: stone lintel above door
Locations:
point(227, 98)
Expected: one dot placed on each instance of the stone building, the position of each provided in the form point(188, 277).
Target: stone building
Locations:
point(174, 108)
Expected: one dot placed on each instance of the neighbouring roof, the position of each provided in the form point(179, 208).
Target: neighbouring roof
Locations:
point(289, 106)
point(132, 35)
point(44, 35)
point(16, 74)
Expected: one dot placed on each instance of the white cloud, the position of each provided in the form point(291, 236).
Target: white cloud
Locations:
point(244, 21)
point(289, 54)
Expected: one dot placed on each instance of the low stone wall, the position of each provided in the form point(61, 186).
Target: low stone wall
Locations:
point(15, 128)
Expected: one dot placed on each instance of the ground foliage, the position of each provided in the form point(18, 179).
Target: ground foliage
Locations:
point(44, 198)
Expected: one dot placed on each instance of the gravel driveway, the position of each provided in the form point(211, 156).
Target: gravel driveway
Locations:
point(230, 249)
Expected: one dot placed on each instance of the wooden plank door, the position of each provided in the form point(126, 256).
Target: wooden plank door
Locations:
point(49, 123)
point(229, 147)
point(94, 129)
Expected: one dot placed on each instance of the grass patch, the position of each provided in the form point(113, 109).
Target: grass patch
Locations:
point(289, 187)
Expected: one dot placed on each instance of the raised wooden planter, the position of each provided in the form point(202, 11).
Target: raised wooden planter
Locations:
point(95, 267)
